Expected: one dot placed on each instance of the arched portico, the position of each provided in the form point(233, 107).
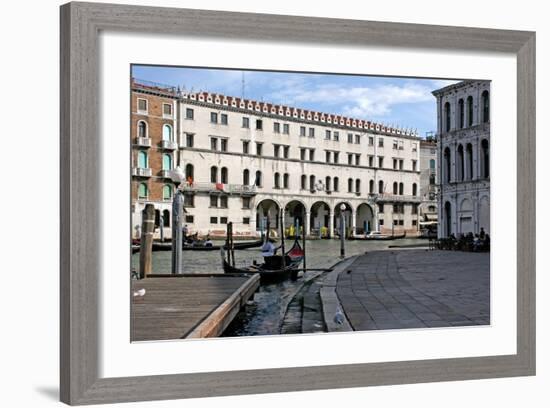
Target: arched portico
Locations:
point(320, 220)
point(349, 217)
point(364, 219)
point(267, 210)
point(294, 215)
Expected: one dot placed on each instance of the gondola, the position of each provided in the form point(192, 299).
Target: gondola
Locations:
point(376, 237)
point(272, 269)
point(167, 246)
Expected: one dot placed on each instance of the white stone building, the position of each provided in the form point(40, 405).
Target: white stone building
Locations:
point(463, 148)
point(246, 160)
point(428, 179)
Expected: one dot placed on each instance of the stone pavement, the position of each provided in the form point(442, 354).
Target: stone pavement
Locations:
point(397, 289)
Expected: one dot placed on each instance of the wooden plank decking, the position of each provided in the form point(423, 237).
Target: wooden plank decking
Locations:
point(188, 306)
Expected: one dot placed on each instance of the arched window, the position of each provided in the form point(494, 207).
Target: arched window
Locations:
point(350, 185)
point(395, 188)
point(447, 219)
point(401, 188)
point(189, 172)
point(143, 161)
point(357, 185)
point(213, 174)
point(258, 179)
point(327, 183)
point(166, 218)
point(167, 192)
point(167, 132)
point(371, 186)
point(485, 105)
point(246, 177)
point(460, 163)
point(447, 165)
point(166, 162)
point(335, 183)
point(470, 106)
point(461, 113)
point(285, 180)
point(380, 187)
point(303, 182)
point(447, 109)
point(142, 129)
point(143, 191)
point(414, 190)
point(469, 167)
point(277, 180)
point(485, 158)
point(224, 176)
point(312, 182)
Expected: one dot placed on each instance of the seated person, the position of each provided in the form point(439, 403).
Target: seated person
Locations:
point(208, 242)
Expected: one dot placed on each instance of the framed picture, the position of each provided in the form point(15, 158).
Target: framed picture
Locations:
point(343, 169)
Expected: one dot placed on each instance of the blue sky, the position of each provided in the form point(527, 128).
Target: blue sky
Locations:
point(403, 102)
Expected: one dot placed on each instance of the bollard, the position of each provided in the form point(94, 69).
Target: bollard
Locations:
point(146, 242)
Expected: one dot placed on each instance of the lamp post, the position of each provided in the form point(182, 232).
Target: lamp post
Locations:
point(342, 231)
point(177, 177)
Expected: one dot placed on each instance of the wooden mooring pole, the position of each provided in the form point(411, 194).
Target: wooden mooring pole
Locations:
point(146, 242)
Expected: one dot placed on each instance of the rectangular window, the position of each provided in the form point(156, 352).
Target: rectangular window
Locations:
point(189, 139)
point(395, 144)
point(336, 157)
point(286, 151)
point(371, 161)
point(246, 203)
point(336, 136)
point(276, 149)
point(357, 139)
point(167, 109)
point(311, 132)
point(302, 154)
point(414, 147)
point(259, 149)
point(380, 142)
point(414, 165)
point(142, 105)
point(188, 200)
point(371, 140)
point(302, 130)
point(213, 201)
point(189, 219)
point(395, 222)
point(213, 220)
point(311, 155)
point(395, 164)
point(246, 145)
point(414, 223)
point(327, 134)
point(350, 138)
point(327, 156)
point(213, 117)
point(223, 201)
point(380, 162)
point(223, 145)
point(259, 124)
point(400, 145)
point(224, 118)
point(214, 144)
point(286, 128)
point(276, 127)
point(246, 220)
point(381, 222)
point(400, 222)
point(414, 209)
point(246, 122)
point(189, 113)
point(223, 220)
point(350, 159)
point(401, 164)
point(357, 159)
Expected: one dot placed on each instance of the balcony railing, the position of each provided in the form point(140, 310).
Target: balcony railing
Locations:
point(143, 141)
point(140, 172)
point(382, 198)
point(168, 145)
point(239, 189)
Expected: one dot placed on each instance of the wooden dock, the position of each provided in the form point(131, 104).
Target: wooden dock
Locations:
point(188, 306)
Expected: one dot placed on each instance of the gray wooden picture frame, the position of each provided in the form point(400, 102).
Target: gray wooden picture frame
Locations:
point(81, 24)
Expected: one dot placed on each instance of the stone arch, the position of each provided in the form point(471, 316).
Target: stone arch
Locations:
point(319, 219)
point(268, 209)
point(294, 211)
point(348, 216)
point(364, 219)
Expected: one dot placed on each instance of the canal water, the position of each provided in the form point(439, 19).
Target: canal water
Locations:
point(264, 314)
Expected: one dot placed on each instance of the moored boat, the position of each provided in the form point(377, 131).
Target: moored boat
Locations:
point(377, 236)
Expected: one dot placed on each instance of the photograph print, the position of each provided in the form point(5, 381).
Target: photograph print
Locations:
point(273, 203)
